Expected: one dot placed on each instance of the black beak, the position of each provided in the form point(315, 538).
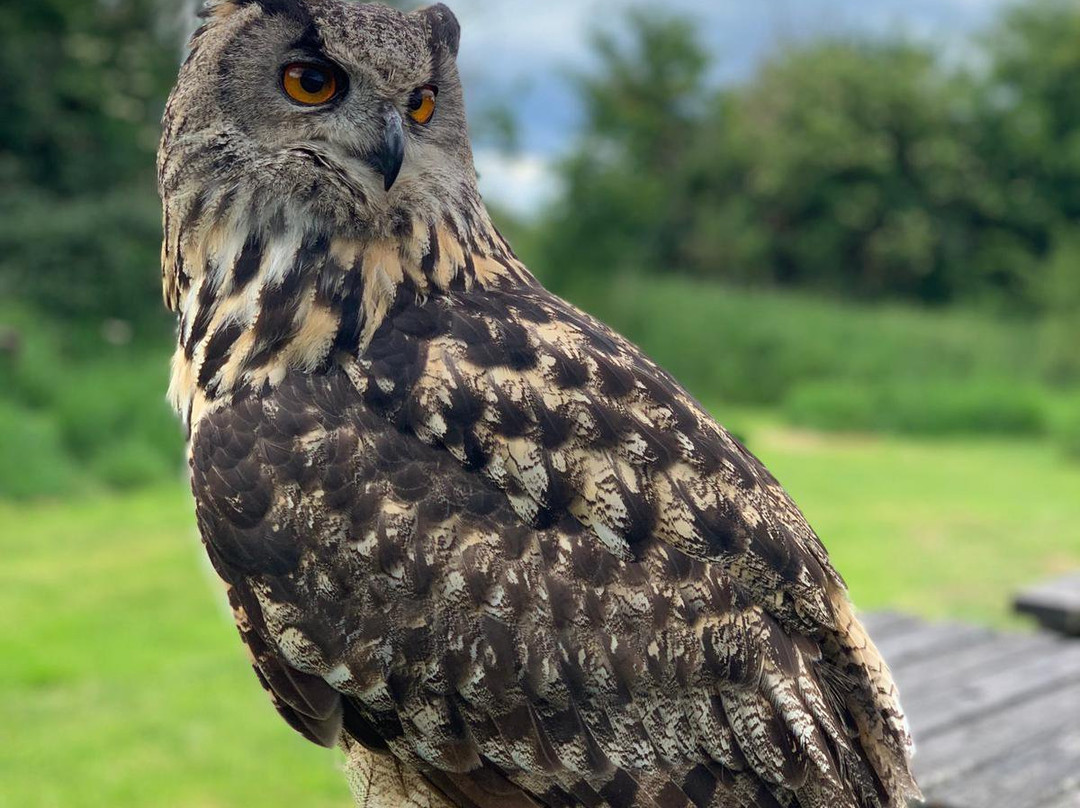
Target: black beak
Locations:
point(387, 159)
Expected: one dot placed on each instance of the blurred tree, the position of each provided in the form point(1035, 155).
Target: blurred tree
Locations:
point(1033, 112)
point(626, 204)
point(82, 85)
point(847, 166)
point(866, 169)
point(81, 90)
point(1032, 137)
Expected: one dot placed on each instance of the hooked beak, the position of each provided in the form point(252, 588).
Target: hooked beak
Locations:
point(390, 154)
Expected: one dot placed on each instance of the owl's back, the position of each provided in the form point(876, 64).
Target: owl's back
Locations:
point(390, 593)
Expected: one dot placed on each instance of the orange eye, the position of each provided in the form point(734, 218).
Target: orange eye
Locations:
point(309, 84)
point(422, 104)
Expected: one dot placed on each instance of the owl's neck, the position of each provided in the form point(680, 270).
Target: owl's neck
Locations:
point(257, 301)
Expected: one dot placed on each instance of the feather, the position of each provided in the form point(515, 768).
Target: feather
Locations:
point(547, 659)
point(469, 532)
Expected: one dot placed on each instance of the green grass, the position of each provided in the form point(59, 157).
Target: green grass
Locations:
point(123, 684)
point(938, 528)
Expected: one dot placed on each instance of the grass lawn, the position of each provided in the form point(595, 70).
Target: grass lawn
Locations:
point(939, 528)
point(122, 683)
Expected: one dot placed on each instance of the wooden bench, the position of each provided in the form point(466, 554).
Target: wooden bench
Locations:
point(1055, 604)
point(996, 715)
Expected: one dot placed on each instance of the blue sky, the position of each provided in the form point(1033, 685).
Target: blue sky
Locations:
point(523, 49)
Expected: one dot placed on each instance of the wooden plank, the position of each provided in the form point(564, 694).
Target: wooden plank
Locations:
point(996, 717)
point(995, 688)
point(927, 678)
point(1070, 799)
point(1055, 604)
point(978, 745)
point(1031, 776)
point(932, 640)
point(888, 624)
point(994, 651)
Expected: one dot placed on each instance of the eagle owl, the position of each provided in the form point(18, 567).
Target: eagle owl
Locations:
point(470, 534)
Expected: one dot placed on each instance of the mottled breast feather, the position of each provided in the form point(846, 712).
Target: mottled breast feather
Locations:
point(504, 547)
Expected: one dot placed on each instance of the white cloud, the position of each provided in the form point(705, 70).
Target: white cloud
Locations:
point(520, 184)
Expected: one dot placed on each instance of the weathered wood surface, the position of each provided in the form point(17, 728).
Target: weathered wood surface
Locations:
point(996, 716)
point(1055, 604)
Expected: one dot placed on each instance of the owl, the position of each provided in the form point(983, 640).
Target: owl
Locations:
point(470, 534)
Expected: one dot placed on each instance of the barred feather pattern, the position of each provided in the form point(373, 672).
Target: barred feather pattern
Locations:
point(492, 549)
point(381, 780)
point(469, 534)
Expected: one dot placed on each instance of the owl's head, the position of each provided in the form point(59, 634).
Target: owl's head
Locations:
point(349, 113)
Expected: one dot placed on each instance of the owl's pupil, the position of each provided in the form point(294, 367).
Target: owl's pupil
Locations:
point(313, 81)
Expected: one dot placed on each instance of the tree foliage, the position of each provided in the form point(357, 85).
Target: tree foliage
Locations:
point(627, 207)
point(81, 90)
point(850, 166)
point(867, 169)
point(82, 86)
point(1033, 139)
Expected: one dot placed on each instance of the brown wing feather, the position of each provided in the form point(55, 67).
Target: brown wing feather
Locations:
point(307, 703)
point(507, 661)
point(567, 418)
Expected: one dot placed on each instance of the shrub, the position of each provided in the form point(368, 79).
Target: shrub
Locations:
point(132, 463)
point(87, 258)
point(97, 411)
point(30, 368)
point(736, 346)
point(33, 462)
point(1066, 426)
point(935, 408)
point(119, 403)
point(1060, 290)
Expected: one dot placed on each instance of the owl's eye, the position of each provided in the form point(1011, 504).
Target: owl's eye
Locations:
point(422, 104)
point(309, 84)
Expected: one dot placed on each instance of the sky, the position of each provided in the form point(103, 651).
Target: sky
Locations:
point(522, 51)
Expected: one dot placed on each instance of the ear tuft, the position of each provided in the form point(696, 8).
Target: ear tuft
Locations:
point(445, 28)
point(207, 9)
point(288, 8)
point(216, 8)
